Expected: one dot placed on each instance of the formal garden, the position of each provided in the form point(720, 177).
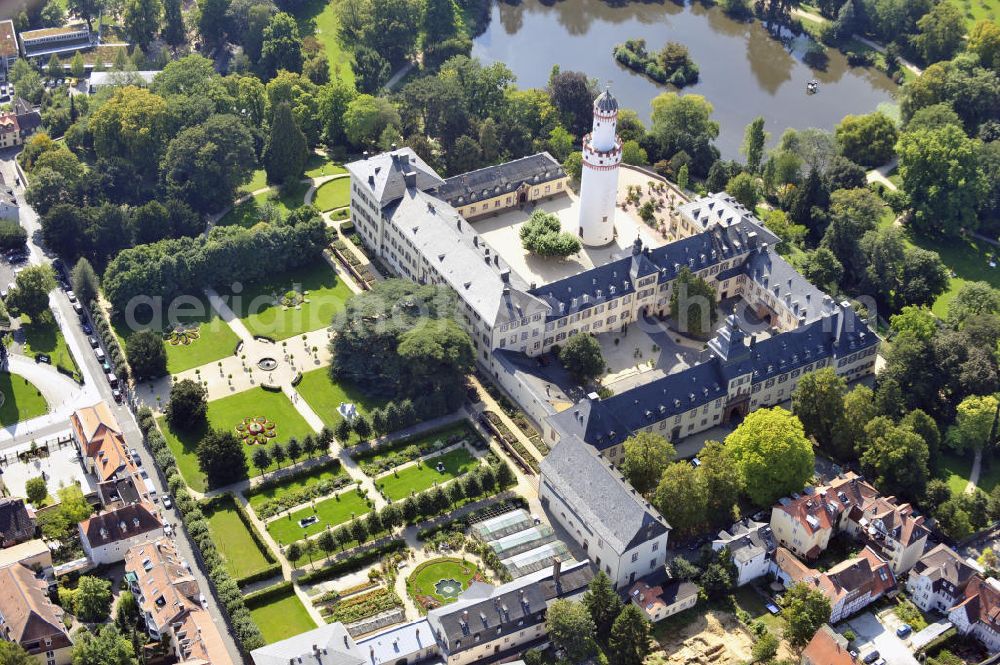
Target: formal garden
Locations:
point(317, 517)
point(324, 396)
point(194, 334)
point(292, 302)
point(440, 581)
point(21, 400)
point(245, 555)
point(226, 414)
point(424, 474)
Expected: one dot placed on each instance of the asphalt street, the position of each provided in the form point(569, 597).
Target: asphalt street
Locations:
point(94, 376)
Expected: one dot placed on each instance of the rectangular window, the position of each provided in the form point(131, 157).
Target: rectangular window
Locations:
point(635, 557)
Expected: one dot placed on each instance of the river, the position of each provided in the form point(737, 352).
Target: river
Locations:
point(744, 72)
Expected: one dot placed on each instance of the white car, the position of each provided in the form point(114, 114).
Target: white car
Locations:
point(167, 502)
point(168, 530)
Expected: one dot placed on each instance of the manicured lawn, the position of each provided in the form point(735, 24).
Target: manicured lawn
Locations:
point(421, 441)
point(955, 469)
point(239, 550)
point(21, 400)
point(326, 293)
point(285, 201)
point(421, 476)
point(44, 336)
point(253, 211)
point(226, 413)
point(259, 497)
point(333, 194)
point(320, 18)
point(423, 580)
point(324, 396)
point(247, 214)
point(215, 341)
point(257, 181)
point(282, 617)
point(331, 512)
point(317, 166)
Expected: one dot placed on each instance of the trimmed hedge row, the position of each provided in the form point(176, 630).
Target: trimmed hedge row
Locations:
point(227, 591)
point(266, 595)
point(293, 498)
point(115, 352)
point(271, 570)
point(355, 560)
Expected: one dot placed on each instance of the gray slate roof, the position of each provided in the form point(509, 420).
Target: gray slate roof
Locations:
point(15, 523)
point(335, 647)
point(484, 613)
point(601, 495)
point(606, 102)
point(382, 174)
point(493, 181)
point(747, 540)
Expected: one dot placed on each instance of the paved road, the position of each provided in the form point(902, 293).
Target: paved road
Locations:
point(94, 379)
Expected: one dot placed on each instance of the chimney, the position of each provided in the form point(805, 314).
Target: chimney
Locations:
point(347, 644)
point(556, 571)
point(410, 179)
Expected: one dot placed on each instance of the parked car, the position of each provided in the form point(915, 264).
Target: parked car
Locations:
point(87, 330)
point(167, 501)
point(168, 530)
point(93, 342)
point(117, 394)
point(42, 358)
point(71, 296)
point(135, 456)
point(113, 380)
point(78, 308)
point(904, 630)
point(871, 657)
point(99, 352)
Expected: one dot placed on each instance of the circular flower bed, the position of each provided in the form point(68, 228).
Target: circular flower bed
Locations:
point(440, 581)
point(181, 336)
point(257, 430)
point(291, 299)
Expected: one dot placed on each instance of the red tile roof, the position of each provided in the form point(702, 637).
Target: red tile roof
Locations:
point(827, 648)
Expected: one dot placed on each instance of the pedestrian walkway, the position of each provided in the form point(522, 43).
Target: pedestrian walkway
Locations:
point(492, 405)
point(977, 467)
point(225, 313)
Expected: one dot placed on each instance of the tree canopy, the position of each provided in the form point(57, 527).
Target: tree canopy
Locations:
point(772, 453)
point(542, 235)
point(582, 357)
point(647, 456)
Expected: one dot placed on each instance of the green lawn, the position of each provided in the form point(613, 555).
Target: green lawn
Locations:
point(21, 400)
point(421, 582)
point(257, 181)
point(420, 441)
point(954, 469)
point(320, 18)
point(255, 210)
point(44, 336)
point(239, 550)
point(327, 295)
point(226, 413)
point(421, 476)
point(324, 396)
point(750, 601)
point(259, 497)
point(974, 10)
point(331, 512)
point(318, 165)
point(282, 617)
point(333, 194)
point(215, 341)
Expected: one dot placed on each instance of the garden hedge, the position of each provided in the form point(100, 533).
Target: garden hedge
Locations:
point(354, 561)
point(266, 595)
point(275, 566)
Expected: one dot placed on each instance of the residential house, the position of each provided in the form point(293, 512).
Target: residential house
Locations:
point(34, 554)
point(751, 547)
point(827, 647)
point(106, 456)
point(170, 600)
point(107, 537)
point(937, 581)
point(663, 600)
point(489, 623)
point(978, 612)
point(850, 586)
point(17, 521)
point(19, 123)
point(30, 619)
point(804, 523)
point(621, 532)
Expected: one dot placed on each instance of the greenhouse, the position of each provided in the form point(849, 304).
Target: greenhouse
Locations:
point(523, 541)
point(502, 525)
point(536, 559)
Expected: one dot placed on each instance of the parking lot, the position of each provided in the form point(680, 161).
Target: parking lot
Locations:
point(873, 633)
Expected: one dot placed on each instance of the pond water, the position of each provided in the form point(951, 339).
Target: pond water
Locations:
point(744, 71)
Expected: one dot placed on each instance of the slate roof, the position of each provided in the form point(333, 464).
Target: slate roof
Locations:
point(484, 613)
point(16, 524)
point(382, 175)
point(601, 496)
point(944, 567)
point(606, 102)
point(450, 243)
point(794, 291)
point(327, 645)
point(485, 183)
point(747, 540)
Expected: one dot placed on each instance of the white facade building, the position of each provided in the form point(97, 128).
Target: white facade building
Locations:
point(602, 157)
point(107, 537)
point(751, 546)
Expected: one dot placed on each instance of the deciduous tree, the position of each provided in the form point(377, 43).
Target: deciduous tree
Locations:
point(974, 423)
point(221, 458)
point(818, 401)
point(147, 355)
point(681, 498)
point(772, 453)
point(30, 294)
point(188, 405)
point(693, 303)
point(647, 456)
point(869, 139)
point(571, 629)
point(805, 609)
point(142, 19)
point(107, 647)
point(581, 355)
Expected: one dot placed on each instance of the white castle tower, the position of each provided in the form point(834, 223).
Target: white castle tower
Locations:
point(602, 154)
